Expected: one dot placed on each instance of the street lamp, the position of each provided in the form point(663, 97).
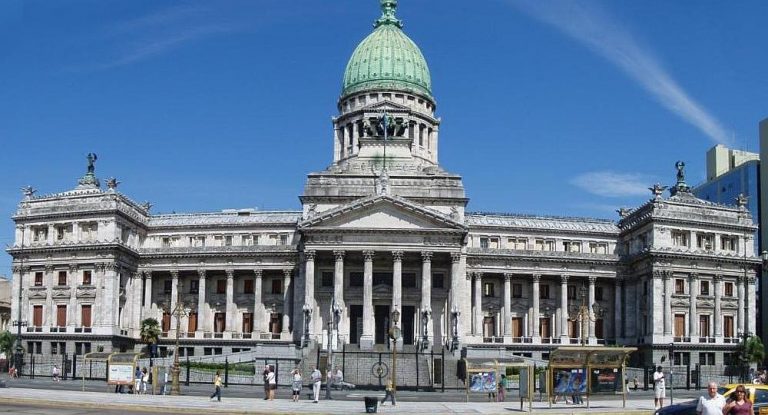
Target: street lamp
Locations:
point(744, 363)
point(179, 311)
point(394, 334)
point(583, 315)
point(455, 332)
point(424, 328)
point(332, 328)
point(307, 309)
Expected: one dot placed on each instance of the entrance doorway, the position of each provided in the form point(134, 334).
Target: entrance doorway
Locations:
point(355, 323)
point(381, 317)
point(406, 323)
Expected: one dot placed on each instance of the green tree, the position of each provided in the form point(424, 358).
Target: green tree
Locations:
point(150, 332)
point(753, 351)
point(7, 341)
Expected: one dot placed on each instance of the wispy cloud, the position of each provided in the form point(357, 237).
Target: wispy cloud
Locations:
point(589, 25)
point(612, 184)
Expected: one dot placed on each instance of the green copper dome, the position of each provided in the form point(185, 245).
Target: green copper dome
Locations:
point(387, 59)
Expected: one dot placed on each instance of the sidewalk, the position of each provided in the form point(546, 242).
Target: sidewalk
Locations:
point(228, 405)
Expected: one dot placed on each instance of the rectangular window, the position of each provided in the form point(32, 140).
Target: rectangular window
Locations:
point(82, 348)
point(704, 326)
point(61, 315)
point(544, 328)
point(437, 281)
point(728, 330)
point(704, 288)
point(247, 322)
point(705, 241)
point(194, 287)
point(166, 324)
point(326, 279)
point(356, 279)
point(544, 291)
point(86, 277)
point(85, 315)
point(284, 239)
point(571, 292)
point(221, 286)
point(248, 286)
point(494, 243)
point(599, 331)
point(571, 246)
point(277, 286)
point(517, 290)
point(166, 242)
point(517, 243)
point(681, 238)
point(246, 240)
point(679, 286)
point(599, 293)
point(488, 289)
point(728, 289)
point(228, 240)
point(679, 325)
point(37, 316)
point(38, 279)
point(167, 286)
point(484, 243)
point(62, 277)
point(382, 278)
point(220, 322)
point(573, 329)
point(517, 327)
point(192, 322)
point(35, 347)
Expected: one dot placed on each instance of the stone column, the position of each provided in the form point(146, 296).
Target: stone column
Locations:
point(668, 318)
point(18, 275)
point(564, 309)
point(535, 312)
point(740, 326)
point(136, 299)
point(259, 317)
point(591, 300)
point(49, 317)
point(147, 293)
point(426, 294)
point(286, 301)
point(507, 304)
point(72, 306)
point(230, 307)
point(309, 289)
point(98, 272)
point(203, 317)
point(617, 320)
point(174, 296)
point(338, 293)
point(111, 296)
point(693, 319)
point(366, 340)
point(478, 316)
point(718, 307)
point(397, 287)
point(750, 325)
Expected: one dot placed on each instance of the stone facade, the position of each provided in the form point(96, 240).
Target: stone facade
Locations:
point(384, 228)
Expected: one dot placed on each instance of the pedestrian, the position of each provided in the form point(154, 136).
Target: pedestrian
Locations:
point(12, 373)
point(137, 381)
point(316, 378)
point(55, 374)
point(217, 386)
point(576, 397)
point(659, 388)
point(390, 392)
point(272, 382)
point(637, 383)
point(712, 403)
point(144, 380)
point(264, 379)
point(166, 386)
point(502, 388)
point(296, 385)
point(739, 404)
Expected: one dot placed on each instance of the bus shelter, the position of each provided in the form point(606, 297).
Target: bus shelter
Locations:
point(121, 368)
point(587, 370)
point(90, 358)
point(484, 375)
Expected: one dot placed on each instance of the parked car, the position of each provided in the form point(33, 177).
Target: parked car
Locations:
point(758, 394)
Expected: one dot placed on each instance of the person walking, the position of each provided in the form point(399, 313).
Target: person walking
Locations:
point(217, 386)
point(576, 396)
point(316, 378)
point(296, 385)
point(739, 404)
point(659, 388)
point(712, 403)
point(137, 381)
point(501, 396)
point(390, 392)
point(272, 382)
point(55, 374)
point(264, 379)
point(144, 380)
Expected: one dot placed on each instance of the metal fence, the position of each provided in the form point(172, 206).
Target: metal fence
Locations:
point(685, 376)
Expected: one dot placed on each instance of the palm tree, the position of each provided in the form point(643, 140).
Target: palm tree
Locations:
point(150, 332)
point(751, 350)
point(6, 343)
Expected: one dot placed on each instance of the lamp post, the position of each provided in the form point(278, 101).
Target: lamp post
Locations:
point(744, 363)
point(583, 315)
point(671, 362)
point(307, 309)
point(455, 313)
point(332, 329)
point(179, 311)
point(394, 334)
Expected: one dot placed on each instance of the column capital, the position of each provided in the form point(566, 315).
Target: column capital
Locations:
point(201, 273)
point(592, 279)
point(339, 255)
point(739, 279)
point(368, 255)
point(717, 278)
point(138, 274)
point(455, 257)
point(310, 254)
point(564, 278)
point(230, 273)
point(507, 276)
point(426, 256)
point(536, 278)
point(287, 272)
point(751, 280)
point(73, 267)
point(147, 273)
point(110, 266)
point(257, 272)
point(477, 275)
point(97, 266)
point(175, 274)
point(693, 276)
point(397, 256)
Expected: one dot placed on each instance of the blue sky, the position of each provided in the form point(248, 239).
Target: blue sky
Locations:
point(548, 107)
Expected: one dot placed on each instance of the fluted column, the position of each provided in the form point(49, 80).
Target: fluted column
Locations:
point(203, 317)
point(535, 310)
point(98, 301)
point(309, 289)
point(338, 293)
point(693, 319)
point(72, 307)
point(457, 279)
point(750, 325)
point(366, 340)
point(147, 292)
point(591, 300)
point(426, 291)
point(564, 309)
point(230, 310)
point(136, 299)
point(286, 300)
point(718, 317)
point(49, 315)
point(507, 304)
point(617, 304)
point(397, 284)
point(174, 293)
point(740, 315)
point(668, 318)
point(478, 310)
point(259, 316)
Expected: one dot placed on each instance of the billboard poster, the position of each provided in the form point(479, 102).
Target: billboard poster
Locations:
point(120, 374)
point(483, 382)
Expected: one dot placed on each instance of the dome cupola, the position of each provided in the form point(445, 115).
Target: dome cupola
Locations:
point(387, 59)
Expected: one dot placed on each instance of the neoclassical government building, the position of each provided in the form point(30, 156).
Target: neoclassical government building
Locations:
point(384, 227)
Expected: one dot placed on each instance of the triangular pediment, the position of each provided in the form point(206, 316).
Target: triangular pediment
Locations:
point(386, 106)
point(382, 212)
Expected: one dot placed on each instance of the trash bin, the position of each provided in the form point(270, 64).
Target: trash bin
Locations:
point(371, 404)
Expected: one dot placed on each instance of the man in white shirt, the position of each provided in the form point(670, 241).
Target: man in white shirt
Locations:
point(316, 378)
point(712, 403)
point(659, 388)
